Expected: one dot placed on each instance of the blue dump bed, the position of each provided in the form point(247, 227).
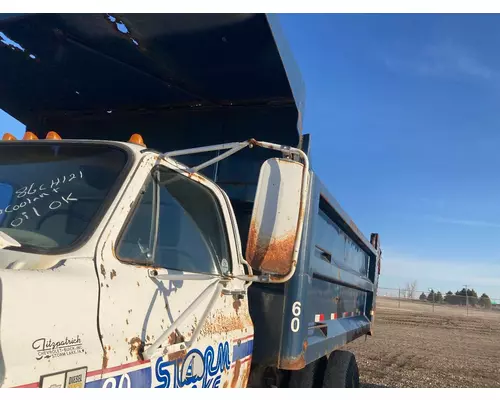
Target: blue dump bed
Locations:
point(330, 299)
point(184, 81)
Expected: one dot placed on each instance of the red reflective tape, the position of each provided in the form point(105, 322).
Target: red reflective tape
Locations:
point(333, 316)
point(244, 338)
point(319, 317)
point(114, 369)
point(28, 385)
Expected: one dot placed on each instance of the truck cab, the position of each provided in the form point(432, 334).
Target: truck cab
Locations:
point(146, 239)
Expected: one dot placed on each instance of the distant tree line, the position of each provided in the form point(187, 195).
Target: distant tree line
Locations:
point(459, 298)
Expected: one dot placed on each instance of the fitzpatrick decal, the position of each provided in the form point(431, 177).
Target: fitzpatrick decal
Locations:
point(47, 348)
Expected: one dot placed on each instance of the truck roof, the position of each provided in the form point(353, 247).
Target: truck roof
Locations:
point(60, 66)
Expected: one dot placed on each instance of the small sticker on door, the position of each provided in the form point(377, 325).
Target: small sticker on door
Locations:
point(73, 378)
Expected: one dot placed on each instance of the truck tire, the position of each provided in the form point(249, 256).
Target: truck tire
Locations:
point(341, 370)
point(303, 378)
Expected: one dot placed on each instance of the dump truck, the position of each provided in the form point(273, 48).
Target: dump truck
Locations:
point(161, 224)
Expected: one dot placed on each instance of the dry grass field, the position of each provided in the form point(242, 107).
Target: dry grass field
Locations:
point(413, 346)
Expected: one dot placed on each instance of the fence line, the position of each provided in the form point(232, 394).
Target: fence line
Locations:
point(469, 303)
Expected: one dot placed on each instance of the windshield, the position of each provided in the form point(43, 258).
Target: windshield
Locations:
point(51, 194)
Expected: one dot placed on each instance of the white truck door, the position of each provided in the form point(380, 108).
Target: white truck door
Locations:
point(49, 336)
point(189, 233)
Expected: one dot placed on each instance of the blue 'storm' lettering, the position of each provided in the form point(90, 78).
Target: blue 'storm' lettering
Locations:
point(195, 367)
point(162, 374)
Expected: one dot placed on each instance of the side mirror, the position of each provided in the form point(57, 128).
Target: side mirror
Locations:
point(275, 221)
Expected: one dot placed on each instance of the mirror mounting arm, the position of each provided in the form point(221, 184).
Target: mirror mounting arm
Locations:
point(232, 148)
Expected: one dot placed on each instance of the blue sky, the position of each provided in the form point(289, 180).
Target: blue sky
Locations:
point(405, 123)
point(404, 116)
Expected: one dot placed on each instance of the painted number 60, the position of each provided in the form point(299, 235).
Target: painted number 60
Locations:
point(295, 325)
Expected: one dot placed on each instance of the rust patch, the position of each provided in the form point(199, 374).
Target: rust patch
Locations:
point(126, 321)
point(236, 374)
point(304, 345)
point(175, 337)
point(237, 305)
point(218, 323)
point(138, 284)
point(197, 177)
point(176, 355)
point(246, 374)
point(274, 255)
point(113, 274)
point(136, 348)
point(293, 363)
point(105, 358)
point(103, 271)
point(226, 384)
point(274, 278)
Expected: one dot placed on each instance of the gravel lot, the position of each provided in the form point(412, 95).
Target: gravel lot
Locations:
point(415, 347)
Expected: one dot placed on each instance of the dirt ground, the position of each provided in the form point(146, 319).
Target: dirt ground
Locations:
point(415, 347)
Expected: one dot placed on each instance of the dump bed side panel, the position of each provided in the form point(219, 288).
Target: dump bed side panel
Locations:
point(328, 302)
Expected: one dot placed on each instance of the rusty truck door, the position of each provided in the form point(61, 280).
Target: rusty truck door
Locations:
point(154, 263)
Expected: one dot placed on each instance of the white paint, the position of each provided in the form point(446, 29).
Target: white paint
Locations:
point(54, 305)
